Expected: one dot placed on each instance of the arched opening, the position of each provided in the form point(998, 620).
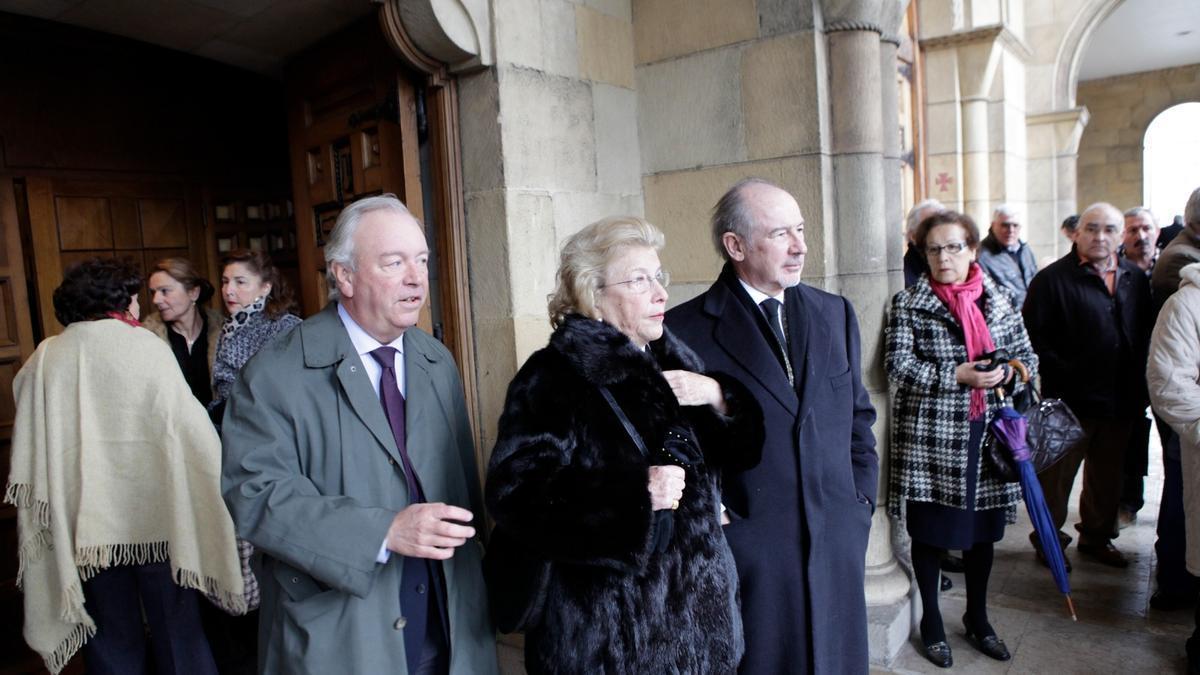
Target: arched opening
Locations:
point(1171, 159)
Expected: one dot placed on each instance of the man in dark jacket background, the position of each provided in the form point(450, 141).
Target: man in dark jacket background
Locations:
point(1089, 318)
point(1002, 254)
point(801, 518)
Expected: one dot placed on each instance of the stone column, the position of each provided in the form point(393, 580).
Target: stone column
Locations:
point(976, 174)
point(1053, 146)
point(857, 76)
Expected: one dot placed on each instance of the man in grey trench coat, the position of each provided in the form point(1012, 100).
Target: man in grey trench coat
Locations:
point(363, 500)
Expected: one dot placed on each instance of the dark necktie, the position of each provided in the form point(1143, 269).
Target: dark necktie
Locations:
point(422, 609)
point(770, 308)
point(393, 407)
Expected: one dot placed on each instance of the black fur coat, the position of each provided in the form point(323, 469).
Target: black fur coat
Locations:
point(567, 482)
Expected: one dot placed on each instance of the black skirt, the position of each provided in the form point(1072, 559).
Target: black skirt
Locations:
point(958, 529)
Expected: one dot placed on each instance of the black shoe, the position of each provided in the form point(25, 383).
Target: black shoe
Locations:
point(990, 645)
point(1105, 554)
point(952, 563)
point(1170, 602)
point(946, 583)
point(939, 654)
point(1042, 558)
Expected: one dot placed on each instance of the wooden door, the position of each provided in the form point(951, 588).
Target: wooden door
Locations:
point(352, 131)
point(73, 220)
point(16, 344)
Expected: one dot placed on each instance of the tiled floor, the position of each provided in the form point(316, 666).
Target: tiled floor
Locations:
point(1117, 632)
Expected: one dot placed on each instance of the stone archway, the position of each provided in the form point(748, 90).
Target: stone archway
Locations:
point(1110, 150)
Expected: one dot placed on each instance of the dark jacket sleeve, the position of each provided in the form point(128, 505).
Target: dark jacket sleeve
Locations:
point(548, 500)
point(734, 440)
point(1042, 322)
point(862, 440)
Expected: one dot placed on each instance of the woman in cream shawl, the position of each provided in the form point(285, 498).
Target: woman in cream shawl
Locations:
point(116, 516)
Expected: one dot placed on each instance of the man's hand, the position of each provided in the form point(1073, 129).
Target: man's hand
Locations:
point(428, 531)
point(696, 389)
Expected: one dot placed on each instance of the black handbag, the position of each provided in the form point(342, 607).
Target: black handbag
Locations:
point(1052, 430)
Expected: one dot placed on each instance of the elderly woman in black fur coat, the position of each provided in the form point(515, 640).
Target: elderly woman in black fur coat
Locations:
point(642, 580)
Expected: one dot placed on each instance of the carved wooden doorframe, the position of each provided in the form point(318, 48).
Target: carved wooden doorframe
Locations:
point(441, 102)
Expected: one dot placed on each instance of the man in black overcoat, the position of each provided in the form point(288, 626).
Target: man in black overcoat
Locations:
point(800, 519)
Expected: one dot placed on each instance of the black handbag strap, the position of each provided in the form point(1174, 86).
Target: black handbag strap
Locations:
point(616, 408)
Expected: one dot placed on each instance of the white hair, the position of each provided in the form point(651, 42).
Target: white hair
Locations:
point(1142, 210)
point(340, 247)
point(1002, 210)
point(918, 213)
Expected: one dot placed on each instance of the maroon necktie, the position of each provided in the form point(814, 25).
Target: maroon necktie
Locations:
point(393, 407)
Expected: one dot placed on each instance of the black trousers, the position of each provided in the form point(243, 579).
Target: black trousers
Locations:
point(116, 599)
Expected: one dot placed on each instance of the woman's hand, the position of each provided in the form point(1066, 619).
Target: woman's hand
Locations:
point(666, 487)
point(966, 374)
point(696, 389)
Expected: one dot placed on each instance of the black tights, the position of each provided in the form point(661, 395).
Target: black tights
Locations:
point(977, 562)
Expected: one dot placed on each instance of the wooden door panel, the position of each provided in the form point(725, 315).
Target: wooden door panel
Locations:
point(164, 223)
point(84, 223)
point(72, 220)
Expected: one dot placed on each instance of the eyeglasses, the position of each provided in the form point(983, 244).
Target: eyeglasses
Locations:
point(641, 282)
point(953, 248)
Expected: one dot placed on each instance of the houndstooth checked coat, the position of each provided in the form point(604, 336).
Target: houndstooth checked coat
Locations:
point(930, 429)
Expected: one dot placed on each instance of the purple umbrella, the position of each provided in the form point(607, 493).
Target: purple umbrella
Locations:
point(1009, 427)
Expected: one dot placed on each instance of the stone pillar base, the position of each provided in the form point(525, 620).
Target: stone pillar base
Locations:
point(888, 629)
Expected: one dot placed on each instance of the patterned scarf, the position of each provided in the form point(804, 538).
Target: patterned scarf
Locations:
point(241, 317)
point(961, 300)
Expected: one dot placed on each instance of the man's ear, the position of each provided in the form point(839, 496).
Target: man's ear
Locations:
point(344, 278)
point(734, 246)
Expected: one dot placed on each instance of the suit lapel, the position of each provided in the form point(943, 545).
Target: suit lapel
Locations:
point(327, 344)
point(357, 388)
point(421, 403)
point(739, 336)
point(810, 350)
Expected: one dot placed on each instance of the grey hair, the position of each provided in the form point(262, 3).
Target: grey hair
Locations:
point(732, 213)
point(1002, 210)
point(584, 256)
point(1191, 213)
point(1097, 206)
point(340, 247)
point(914, 215)
point(1139, 210)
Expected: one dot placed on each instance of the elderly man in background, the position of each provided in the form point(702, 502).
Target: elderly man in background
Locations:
point(915, 263)
point(1176, 585)
point(1138, 246)
point(1007, 260)
point(1173, 375)
point(1088, 316)
point(1139, 243)
point(349, 463)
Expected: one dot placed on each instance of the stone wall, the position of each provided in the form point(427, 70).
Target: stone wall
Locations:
point(550, 144)
point(729, 89)
point(1122, 108)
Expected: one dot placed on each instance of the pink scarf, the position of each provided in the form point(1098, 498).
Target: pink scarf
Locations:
point(961, 300)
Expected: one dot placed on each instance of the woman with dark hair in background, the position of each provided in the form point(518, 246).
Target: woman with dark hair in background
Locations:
point(260, 307)
point(185, 321)
point(119, 523)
